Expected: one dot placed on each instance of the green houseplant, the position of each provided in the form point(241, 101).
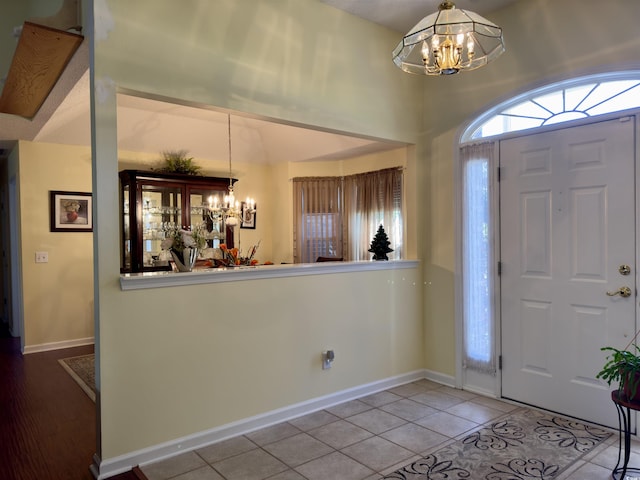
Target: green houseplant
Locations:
point(177, 161)
point(622, 367)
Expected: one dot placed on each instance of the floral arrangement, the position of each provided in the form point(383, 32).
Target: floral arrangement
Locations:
point(232, 256)
point(177, 239)
point(71, 205)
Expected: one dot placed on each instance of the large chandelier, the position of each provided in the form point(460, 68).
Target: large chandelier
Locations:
point(229, 211)
point(448, 41)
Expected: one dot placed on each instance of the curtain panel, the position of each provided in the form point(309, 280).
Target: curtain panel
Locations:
point(317, 218)
point(479, 321)
point(373, 199)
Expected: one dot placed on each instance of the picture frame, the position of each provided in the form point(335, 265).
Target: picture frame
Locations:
point(248, 217)
point(70, 211)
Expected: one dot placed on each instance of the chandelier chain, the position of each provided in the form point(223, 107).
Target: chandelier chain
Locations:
point(229, 135)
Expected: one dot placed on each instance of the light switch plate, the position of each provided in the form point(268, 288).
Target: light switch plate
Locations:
point(42, 257)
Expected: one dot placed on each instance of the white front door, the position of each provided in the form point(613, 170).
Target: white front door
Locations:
point(567, 226)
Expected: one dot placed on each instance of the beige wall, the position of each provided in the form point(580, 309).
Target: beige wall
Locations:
point(301, 62)
point(193, 358)
point(58, 295)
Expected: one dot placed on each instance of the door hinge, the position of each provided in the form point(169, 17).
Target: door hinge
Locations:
point(499, 362)
point(499, 173)
point(499, 268)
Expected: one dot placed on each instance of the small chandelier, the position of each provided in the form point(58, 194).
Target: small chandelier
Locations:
point(229, 212)
point(448, 41)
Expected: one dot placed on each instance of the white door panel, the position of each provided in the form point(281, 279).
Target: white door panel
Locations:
point(567, 203)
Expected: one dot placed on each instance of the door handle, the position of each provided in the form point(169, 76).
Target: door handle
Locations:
point(622, 291)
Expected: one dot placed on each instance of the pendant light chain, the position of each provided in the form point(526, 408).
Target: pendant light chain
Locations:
point(229, 132)
point(230, 212)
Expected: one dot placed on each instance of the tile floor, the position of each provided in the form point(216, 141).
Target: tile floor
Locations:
point(362, 439)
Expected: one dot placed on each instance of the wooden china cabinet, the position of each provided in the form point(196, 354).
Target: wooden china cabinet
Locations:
point(149, 201)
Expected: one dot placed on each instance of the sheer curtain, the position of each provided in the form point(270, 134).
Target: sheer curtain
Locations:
point(373, 199)
point(317, 218)
point(477, 258)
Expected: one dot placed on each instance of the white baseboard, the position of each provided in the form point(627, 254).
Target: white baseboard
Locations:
point(102, 469)
point(438, 377)
point(45, 347)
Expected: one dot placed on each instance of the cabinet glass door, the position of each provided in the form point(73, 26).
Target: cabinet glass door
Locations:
point(154, 203)
point(161, 209)
point(126, 230)
point(199, 201)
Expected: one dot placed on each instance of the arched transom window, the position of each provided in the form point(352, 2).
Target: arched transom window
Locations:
point(561, 102)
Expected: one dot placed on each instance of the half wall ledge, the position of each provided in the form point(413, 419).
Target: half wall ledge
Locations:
point(138, 281)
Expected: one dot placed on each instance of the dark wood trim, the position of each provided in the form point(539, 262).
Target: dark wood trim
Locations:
point(138, 473)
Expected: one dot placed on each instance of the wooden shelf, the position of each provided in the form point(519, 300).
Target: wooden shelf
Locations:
point(40, 58)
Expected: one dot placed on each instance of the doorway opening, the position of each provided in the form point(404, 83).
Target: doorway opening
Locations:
point(481, 317)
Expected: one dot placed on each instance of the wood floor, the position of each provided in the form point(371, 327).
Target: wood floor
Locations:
point(47, 423)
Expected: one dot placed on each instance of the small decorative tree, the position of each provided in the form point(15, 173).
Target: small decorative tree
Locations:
point(380, 245)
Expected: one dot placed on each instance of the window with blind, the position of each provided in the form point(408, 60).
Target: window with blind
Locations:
point(339, 216)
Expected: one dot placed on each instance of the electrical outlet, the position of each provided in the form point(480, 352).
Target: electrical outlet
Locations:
point(327, 358)
point(42, 257)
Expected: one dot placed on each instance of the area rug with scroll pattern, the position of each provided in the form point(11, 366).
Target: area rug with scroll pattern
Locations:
point(82, 370)
point(523, 446)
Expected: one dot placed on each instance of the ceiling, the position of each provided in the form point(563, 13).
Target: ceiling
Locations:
point(149, 125)
point(402, 15)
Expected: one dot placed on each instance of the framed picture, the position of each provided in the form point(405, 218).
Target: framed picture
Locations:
point(248, 216)
point(70, 211)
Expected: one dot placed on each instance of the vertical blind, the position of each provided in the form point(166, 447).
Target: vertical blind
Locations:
point(339, 216)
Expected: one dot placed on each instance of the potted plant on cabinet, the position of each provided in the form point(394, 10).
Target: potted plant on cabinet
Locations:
point(177, 161)
point(623, 367)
